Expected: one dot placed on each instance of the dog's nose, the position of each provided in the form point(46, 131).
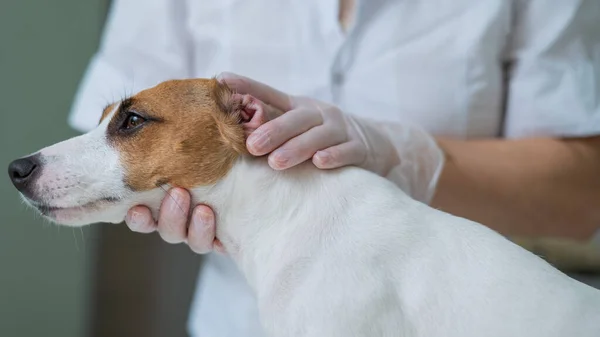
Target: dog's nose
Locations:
point(23, 171)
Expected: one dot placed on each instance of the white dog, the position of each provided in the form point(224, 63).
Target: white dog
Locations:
point(341, 253)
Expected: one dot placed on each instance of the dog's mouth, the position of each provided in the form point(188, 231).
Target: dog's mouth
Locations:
point(66, 214)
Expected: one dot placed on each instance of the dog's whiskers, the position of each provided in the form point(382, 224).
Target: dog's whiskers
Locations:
point(82, 237)
point(174, 200)
point(75, 237)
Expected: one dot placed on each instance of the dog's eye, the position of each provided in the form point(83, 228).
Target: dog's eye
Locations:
point(133, 121)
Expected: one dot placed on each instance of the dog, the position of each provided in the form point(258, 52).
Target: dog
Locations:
point(337, 253)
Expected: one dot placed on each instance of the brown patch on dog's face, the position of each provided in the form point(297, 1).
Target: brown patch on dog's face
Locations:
point(185, 133)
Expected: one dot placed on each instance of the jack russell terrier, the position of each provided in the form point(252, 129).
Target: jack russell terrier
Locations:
point(336, 253)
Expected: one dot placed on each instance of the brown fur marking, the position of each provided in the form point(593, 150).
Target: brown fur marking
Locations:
point(193, 135)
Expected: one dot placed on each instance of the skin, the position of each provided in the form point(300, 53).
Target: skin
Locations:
point(482, 180)
point(540, 187)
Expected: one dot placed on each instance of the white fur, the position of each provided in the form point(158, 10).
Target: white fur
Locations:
point(78, 172)
point(345, 253)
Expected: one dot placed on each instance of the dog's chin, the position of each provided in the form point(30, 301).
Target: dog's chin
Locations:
point(101, 210)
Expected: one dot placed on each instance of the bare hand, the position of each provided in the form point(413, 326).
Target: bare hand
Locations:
point(173, 226)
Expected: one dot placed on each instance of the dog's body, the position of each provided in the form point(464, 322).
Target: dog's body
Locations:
point(346, 253)
point(341, 253)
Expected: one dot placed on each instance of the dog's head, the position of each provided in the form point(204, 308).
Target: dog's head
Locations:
point(185, 133)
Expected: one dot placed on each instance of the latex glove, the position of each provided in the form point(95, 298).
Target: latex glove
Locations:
point(317, 131)
point(309, 130)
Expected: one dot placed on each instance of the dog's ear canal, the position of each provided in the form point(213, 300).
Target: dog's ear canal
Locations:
point(238, 116)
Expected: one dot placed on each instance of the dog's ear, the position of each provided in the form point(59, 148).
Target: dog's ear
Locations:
point(237, 115)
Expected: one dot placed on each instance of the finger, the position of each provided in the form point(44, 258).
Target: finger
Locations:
point(275, 133)
point(244, 85)
point(173, 216)
point(139, 219)
point(350, 153)
point(303, 147)
point(271, 112)
point(201, 234)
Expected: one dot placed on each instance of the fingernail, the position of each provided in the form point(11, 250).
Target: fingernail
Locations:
point(278, 161)
point(135, 219)
point(205, 218)
point(258, 143)
point(322, 157)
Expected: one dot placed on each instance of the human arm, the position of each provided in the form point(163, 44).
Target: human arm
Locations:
point(527, 187)
point(539, 186)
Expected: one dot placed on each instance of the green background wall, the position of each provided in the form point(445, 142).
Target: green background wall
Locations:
point(45, 271)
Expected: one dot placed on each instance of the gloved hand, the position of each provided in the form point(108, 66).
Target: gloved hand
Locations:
point(310, 129)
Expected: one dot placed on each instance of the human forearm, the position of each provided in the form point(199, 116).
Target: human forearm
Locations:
point(530, 187)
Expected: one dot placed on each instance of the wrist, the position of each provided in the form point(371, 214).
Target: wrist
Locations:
point(418, 160)
point(381, 154)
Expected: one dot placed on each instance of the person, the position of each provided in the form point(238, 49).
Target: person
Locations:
point(489, 110)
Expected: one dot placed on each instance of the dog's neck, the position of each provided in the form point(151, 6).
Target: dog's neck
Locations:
point(255, 203)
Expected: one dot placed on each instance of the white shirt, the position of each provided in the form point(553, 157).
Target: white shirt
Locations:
point(439, 63)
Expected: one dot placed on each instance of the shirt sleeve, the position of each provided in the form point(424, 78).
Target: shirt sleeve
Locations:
point(143, 44)
point(554, 78)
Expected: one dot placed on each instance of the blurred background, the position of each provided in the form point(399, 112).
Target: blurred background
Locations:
point(102, 280)
point(61, 282)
